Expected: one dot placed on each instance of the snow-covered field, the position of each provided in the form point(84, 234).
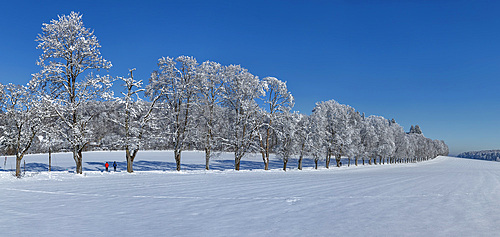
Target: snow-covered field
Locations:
point(443, 197)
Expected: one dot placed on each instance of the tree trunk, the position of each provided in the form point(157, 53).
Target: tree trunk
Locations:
point(284, 164)
point(50, 159)
point(130, 166)
point(177, 154)
point(130, 159)
point(300, 162)
point(328, 161)
point(356, 161)
point(77, 155)
point(268, 131)
point(208, 141)
point(337, 158)
point(18, 166)
point(375, 160)
point(237, 163)
point(266, 160)
point(349, 162)
point(207, 159)
point(129, 162)
point(315, 163)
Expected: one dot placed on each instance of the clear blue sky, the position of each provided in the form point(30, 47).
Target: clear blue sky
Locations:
point(431, 63)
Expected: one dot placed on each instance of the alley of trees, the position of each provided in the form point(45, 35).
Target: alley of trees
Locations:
point(186, 105)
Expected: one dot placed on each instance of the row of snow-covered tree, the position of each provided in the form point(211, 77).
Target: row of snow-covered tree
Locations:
point(189, 105)
point(493, 155)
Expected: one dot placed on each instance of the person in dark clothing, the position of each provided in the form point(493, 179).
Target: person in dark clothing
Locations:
point(114, 165)
point(106, 165)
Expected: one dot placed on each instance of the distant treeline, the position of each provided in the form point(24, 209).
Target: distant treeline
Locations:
point(493, 155)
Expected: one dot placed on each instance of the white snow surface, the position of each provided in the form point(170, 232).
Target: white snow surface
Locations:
point(442, 197)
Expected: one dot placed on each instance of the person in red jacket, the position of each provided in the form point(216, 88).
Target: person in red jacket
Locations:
point(106, 165)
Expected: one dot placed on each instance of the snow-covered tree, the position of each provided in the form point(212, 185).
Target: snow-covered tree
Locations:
point(442, 148)
point(396, 134)
point(69, 50)
point(355, 148)
point(278, 101)
point(369, 139)
point(286, 129)
point(240, 91)
point(133, 117)
point(49, 139)
point(385, 142)
point(402, 146)
point(337, 128)
point(23, 117)
point(415, 129)
point(303, 137)
point(175, 85)
point(418, 130)
point(318, 148)
point(210, 91)
point(414, 151)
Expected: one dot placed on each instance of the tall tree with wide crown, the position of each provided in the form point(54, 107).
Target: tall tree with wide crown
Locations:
point(69, 49)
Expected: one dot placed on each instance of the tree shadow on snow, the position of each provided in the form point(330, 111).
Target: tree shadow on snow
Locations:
point(143, 165)
point(35, 167)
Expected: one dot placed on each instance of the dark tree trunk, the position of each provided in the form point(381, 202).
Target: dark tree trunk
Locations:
point(328, 161)
point(130, 159)
point(300, 162)
point(78, 160)
point(267, 146)
point(284, 164)
point(18, 166)
point(130, 167)
point(315, 163)
point(208, 141)
point(177, 154)
point(207, 159)
point(237, 163)
point(265, 158)
point(50, 159)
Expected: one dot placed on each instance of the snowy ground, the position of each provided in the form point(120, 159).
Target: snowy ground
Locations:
point(443, 197)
